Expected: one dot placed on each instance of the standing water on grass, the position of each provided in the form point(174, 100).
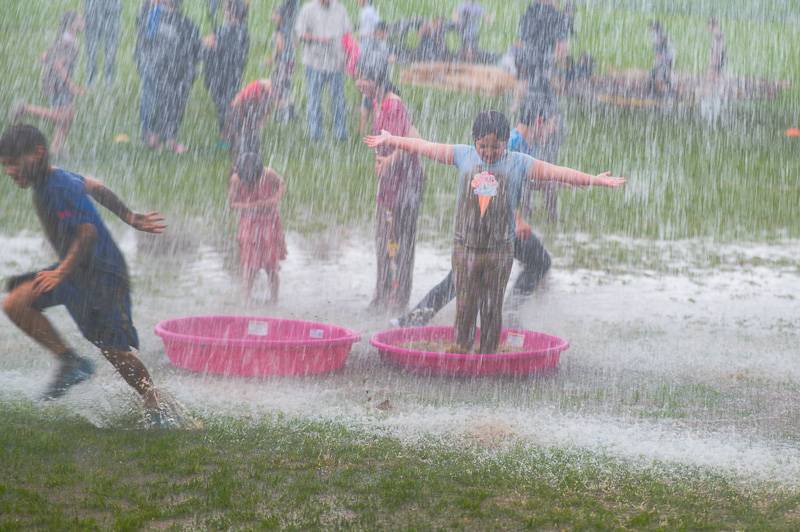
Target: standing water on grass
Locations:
point(678, 295)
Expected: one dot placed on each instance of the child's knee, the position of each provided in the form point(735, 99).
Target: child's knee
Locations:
point(17, 301)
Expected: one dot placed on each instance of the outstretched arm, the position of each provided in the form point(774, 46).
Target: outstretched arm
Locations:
point(442, 153)
point(81, 247)
point(542, 171)
point(151, 222)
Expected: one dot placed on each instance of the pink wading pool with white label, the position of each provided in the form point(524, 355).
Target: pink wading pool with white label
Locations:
point(523, 352)
point(255, 346)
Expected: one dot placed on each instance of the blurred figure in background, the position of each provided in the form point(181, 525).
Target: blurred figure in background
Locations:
point(58, 66)
point(321, 26)
point(543, 30)
point(225, 56)
point(401, 181)
point(168, 50)
point(282, 58)
point(102, 20)
point(664, 60)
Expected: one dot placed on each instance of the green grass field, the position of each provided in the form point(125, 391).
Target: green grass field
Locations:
point(60, 473)
point(686, 179)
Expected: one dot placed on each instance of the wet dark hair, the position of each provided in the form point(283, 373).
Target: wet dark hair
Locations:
point(488, 122)
point(21, 139)
point(66, 21)
point(249, 167)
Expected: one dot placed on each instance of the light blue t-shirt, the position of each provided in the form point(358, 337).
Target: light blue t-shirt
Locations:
point(511, 169)
point(517, 143)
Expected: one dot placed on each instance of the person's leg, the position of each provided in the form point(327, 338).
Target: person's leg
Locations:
point(147, 115)
point(274, 283)
point(495, 269)
point(336, 92)
point(468, 292)
point(92, 40)
point(314, 84)
point(19, 307)
point(24, 309)
point(405, 235)
point(111, 37)
point(384, 276)
point(132, 370)
point(62, 128)
point(535, 264)
point(182, 99)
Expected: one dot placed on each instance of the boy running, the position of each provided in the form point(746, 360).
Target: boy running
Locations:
point(90, 277)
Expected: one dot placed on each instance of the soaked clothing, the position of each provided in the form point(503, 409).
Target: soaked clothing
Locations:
point(100, 306)
point(496, 227)
point(261, 238)
point(397, 209)
point(57, 70)
point(483, 253)
point(224, 65)
point(481, 276)
point(97, 293)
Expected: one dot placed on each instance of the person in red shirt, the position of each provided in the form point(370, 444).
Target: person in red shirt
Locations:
point(256, 191)
point(401, 181)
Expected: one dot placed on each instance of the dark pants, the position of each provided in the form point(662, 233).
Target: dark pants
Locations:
point(170, 104)
point(535, 263)
point(102, 30)
point(222, 96)
point(480, 277)
point(395, 241)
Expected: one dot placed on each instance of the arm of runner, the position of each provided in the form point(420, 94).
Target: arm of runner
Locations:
point(151, 222)
point(81, 247)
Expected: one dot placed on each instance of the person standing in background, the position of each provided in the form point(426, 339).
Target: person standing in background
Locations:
point(320, 26)
point(282, 58)
point(101, 20)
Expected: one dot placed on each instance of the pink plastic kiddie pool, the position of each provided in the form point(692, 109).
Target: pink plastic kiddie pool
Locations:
point(255, 346)
point(525, 352)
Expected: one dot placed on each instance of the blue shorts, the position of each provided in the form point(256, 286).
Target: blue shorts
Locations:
point(100, 307)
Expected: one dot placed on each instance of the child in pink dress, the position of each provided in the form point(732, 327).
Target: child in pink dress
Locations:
point(256, 192)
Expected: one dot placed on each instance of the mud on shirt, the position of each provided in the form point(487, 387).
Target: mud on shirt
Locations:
point(499, 186)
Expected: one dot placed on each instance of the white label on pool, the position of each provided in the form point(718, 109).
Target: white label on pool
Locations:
point(515, 340)
point(258, 328)
point(316, 333)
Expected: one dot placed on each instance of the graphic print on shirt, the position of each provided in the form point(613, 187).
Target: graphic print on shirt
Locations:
point(481, 216)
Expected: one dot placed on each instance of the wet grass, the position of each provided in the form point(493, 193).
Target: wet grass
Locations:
point(59, 472)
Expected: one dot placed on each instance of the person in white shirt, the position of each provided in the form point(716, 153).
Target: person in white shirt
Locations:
point(320, 26)
point(368, 19)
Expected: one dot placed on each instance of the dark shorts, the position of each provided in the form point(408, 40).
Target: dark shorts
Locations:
point(101, 308)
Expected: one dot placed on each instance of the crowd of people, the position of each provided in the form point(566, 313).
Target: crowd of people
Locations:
point(497, 173)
